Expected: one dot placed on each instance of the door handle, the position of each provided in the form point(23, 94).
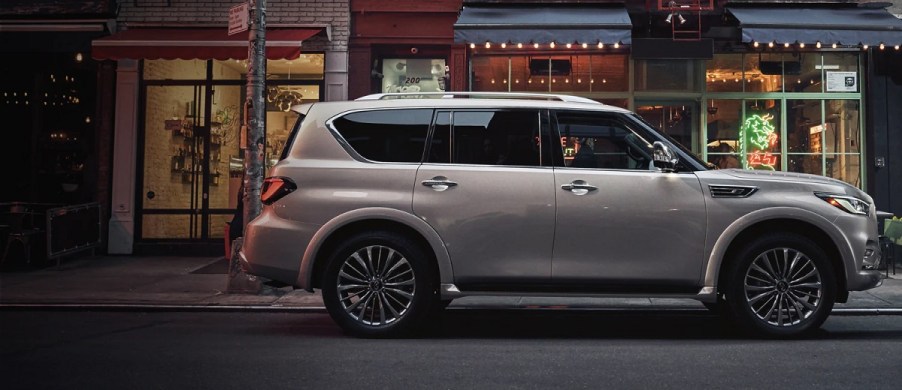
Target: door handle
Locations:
point(578, 187)
point(439, 183)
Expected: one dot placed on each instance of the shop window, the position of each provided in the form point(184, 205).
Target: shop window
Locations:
point(724, 121)
point(413, 75)
point(843, 117)
point(175, 69)
point(573, 74)
point(841, 72)
point(803, 72)
point(804, 129)
point(665, 75)
point(489, 74)
point(759, 135)
point(845, 167)
point(305, 67)
point(724, 73)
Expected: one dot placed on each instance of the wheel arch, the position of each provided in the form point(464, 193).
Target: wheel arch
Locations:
point(801, 222)
point(330, 235)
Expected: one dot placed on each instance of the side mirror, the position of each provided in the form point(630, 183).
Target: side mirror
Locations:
point(664, 158)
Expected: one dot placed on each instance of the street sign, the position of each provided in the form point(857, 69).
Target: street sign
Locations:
point(238, 16)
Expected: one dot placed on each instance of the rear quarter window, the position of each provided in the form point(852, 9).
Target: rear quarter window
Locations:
point(386, 135)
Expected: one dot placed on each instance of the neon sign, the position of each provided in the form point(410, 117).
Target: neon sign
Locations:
point(757, 136)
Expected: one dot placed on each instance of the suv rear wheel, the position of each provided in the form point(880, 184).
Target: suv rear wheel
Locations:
point(781, 285)
point(379, 284)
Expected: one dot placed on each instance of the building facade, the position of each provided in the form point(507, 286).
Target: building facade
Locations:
point(138, 104)
point(803, 86)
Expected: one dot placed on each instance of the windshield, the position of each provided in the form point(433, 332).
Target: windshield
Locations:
point(688, 152)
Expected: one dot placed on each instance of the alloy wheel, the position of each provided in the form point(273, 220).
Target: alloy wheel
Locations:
point(376, 285)
point(783, 287)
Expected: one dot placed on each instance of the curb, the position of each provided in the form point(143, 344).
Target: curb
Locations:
point(884, 311)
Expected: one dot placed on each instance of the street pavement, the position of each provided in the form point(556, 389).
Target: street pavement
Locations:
point(201, 283)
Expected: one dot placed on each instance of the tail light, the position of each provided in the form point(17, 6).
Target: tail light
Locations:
point(274, 188)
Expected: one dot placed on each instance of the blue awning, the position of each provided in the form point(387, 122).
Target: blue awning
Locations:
point(846, 26)
point(543, 24)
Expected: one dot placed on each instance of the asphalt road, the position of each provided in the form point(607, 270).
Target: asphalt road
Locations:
point(470, 349)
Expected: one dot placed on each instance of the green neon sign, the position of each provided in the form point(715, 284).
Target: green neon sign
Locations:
point(757, 137)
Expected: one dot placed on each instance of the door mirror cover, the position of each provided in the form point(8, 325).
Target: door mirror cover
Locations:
point(664, 158)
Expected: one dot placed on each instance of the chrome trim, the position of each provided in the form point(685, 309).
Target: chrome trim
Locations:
point(477, 95)
point(731, 191)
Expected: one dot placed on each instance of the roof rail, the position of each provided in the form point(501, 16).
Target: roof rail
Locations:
point(478, 95)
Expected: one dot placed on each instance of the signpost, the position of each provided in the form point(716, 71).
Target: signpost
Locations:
point(255, 115)
point(238, 16)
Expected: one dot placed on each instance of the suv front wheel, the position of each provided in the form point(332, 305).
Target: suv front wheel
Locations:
point(379, 284)
point(781, 285)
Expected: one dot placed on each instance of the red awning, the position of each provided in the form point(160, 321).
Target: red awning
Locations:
point(197, 43)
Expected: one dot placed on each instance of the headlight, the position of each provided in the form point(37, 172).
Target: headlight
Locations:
point(849, 204)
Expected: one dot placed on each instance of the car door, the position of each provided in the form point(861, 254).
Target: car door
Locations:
point(486, 190)
point(622, 225)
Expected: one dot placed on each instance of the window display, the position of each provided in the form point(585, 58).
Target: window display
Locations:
point(413, 75)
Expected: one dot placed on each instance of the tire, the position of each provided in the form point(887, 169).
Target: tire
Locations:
point(379, 284)
point(780, 285)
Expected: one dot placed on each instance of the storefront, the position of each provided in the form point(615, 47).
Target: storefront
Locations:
point(404, 46)
point(183, 93)
point(760, 89)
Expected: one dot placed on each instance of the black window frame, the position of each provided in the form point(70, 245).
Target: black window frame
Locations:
point(545, 159)
point(354, 153)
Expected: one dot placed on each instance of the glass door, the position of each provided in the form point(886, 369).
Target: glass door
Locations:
point(679, 119)
point(176, 173)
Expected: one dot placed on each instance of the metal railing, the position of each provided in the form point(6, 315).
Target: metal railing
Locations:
point(72, 229)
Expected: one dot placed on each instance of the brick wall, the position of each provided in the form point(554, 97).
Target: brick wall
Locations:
point(278, 12)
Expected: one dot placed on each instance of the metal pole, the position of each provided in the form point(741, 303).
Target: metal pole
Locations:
point(255, 107)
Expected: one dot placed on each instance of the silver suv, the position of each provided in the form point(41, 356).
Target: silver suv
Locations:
point(393, 207)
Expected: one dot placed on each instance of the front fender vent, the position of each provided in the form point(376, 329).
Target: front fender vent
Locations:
point(730, 191)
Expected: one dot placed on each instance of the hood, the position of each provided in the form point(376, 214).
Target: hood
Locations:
point(797, 178)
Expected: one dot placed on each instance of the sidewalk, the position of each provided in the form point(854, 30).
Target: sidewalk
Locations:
point(200, 282)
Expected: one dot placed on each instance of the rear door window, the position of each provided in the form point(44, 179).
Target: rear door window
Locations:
point(510, 138)
point(386, 135)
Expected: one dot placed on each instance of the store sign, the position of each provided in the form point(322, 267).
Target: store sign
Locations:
point(842, 82)
point(757, 137)
point(238, 16)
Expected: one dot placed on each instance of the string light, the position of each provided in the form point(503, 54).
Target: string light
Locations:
point(585, 45)
point(488, 45)
point(519, 45)
point(600, 45)
point(503, 45)
point(472, 45)
point(865, 47)
point(881, 46)
point(834, 45)
point(551, 45)
point(897, 47)
point(786, 44)
point(770, 44)
point(755, 44)
point(616, 45)
point(569, 45)
point(818, 44)
point(535, 45)
point(802, 45)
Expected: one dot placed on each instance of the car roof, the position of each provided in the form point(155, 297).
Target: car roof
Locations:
point(478, 103)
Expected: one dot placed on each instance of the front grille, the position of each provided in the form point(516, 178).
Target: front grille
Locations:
point(731, 191)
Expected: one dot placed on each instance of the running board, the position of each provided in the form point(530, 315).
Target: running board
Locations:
point(450, 291)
